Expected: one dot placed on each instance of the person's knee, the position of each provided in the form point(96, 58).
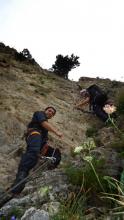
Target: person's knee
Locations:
point(28, 161)
point(30, 155)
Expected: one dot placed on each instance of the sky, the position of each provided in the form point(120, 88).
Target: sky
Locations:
point(90, 29)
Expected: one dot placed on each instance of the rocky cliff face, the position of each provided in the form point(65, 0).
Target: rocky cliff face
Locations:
point(26, 88)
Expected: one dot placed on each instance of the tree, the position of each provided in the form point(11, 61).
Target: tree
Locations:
point(65, 64)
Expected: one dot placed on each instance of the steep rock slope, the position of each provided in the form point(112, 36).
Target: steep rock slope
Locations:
point(24, 89)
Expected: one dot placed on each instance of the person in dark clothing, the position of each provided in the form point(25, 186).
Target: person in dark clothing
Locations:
point(36, 139)
point(96, 99)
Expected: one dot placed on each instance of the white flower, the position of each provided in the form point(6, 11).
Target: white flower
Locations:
point(78, 149)
point(88, 158)
point(109, 109)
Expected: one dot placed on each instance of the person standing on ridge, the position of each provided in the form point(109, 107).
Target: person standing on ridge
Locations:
point(36, 139)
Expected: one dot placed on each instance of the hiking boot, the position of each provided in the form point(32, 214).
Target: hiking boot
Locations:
point(19, 182)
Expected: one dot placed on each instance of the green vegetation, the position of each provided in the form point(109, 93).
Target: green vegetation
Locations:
point(91, 132)
point(74, 207)
point(65, 64)
point(90, 185)
point(24, 56)
point(15, 211)
point(117, 198)
point(120, 102)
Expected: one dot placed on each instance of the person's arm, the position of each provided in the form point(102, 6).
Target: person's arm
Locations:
point(49, 127)
point(83, 102)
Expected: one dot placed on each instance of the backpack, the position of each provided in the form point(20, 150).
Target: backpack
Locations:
point(97, 95)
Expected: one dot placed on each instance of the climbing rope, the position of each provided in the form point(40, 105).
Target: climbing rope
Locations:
point(6, 196)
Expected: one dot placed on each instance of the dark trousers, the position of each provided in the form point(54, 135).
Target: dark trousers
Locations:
point(34, 147)
point(30, 157)
point(98, 110)
point(28, 161)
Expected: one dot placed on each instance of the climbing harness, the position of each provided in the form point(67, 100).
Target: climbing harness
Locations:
point(44, 150)
point(30, 133)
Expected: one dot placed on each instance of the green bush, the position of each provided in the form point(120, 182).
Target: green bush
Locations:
point(85, 174)
point(120, 102)
point(90, 132)
point(15, 211)
point(75, 175)
point(70, 211)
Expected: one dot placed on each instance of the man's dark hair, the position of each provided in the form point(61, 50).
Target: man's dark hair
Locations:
point(51, 107)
